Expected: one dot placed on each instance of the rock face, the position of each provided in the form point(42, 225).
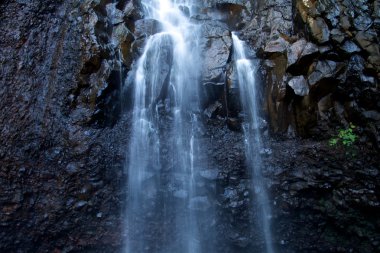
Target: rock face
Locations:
point(66, 74)
point(61, 166)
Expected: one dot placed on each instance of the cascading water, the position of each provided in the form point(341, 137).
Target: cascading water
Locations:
point(245, 71)
point(165, 205)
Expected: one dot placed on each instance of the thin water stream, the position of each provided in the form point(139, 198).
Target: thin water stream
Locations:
point(246, 71)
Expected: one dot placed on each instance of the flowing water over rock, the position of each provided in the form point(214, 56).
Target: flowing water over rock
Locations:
point(245, 71)
point(165, 204)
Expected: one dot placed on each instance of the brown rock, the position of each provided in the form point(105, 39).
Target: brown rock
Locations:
point(319, 29)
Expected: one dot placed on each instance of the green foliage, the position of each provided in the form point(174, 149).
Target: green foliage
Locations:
point(346, 137)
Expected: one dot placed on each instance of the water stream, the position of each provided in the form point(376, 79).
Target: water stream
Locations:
point(245, 71)
point(164, 202)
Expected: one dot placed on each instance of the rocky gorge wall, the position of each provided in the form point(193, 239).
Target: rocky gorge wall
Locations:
point(65, 118)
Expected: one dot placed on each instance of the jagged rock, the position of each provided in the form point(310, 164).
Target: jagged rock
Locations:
point(345, 23)
point(298, 55)
point(331, 9)
point(322, 70)
point(350, 47)
point(216, 44)
point(362, 22)
point(319, 29)
point(146, 27)
point(279, 45)
point(299, 85)
point(324, 106)
point(213, 109)
point(337, 35)
point(371, 115)
point(367, 41)
point(114, 14)
point(162, 60)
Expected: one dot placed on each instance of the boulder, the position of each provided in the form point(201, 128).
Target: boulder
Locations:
point(299, 53)
point(216, 45)
point(350, 47)
point(331, 9)
point(319, 29)
point(337, 35)
point(368, 41)
point(279, 45)
point(299, 85)
point(324, 69)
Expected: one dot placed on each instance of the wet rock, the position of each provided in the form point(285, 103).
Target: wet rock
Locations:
point(213, 110)
point(115, 15)
point(146, 27)
point(216, 43)
point(299, 85)
point(160, 63)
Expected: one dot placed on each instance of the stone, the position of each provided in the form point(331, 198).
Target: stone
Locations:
point(81, 204)
point(216, 44)
point(146, 27)
point(367, 40)
point(159, 62)
point(350, 47)
point(331, 10)
point(337, 35)
point(319, 29)
point(212, 110)
point(371, 115)
point(298, 54)
point(116, 15)
point(279, 45)
point(323, 69)
point(362, 22)
point(299, 85)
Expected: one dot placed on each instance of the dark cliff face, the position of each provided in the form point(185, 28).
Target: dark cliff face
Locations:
point(65, 121)
point(61, 174)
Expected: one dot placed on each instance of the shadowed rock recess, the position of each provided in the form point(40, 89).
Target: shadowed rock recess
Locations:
point(67, 70)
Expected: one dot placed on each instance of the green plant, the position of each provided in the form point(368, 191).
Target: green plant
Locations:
point(346, 137)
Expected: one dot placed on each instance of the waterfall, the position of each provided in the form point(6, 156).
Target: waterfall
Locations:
point(245, 71)
point(165, 205)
